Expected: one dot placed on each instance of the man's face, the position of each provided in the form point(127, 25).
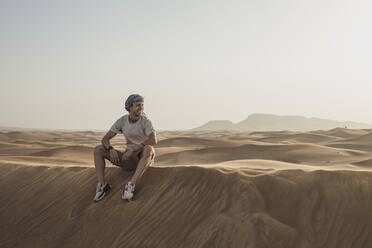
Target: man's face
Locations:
point(137, 109)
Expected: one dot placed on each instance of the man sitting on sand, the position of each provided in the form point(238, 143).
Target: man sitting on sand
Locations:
point(139, 153)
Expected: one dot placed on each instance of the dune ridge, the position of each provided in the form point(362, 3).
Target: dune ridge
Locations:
point(186, 207)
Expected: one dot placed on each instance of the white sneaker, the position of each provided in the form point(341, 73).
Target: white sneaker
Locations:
point(128, 191)
point(101, 191)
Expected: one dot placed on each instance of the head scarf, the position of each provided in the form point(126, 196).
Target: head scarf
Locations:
point(132, 99)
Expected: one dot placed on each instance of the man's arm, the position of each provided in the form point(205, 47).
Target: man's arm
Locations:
point(106, 139)
point(152, 140)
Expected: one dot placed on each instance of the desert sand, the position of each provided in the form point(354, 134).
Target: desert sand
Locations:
point(206, 189)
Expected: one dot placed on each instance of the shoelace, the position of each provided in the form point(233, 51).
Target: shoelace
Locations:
point(99, 187)
point(129, 187)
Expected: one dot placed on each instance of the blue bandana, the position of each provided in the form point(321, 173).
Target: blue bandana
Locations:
point(132, 99)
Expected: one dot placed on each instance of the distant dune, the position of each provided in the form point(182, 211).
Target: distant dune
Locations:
point(69, 151)
point(261, 189)
point(193, 142)
point(269, 122)
point(300, 137)
point(344, 133)
point(295, 153)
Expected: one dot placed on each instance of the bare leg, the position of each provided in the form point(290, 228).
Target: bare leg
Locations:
point(147, 158)
point(99, 163)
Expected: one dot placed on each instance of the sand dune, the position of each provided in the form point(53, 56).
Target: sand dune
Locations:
point(300, 137)
point(296, 153)
point(186, 207)
point(207, 189)
point(68, 151)
point(193, 142)
point(364, 163)
point(343, 132)
point(273, 133)
point(354, 146)
point(364, 139)
point(18, 135)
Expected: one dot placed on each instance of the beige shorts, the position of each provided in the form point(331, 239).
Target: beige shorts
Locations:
point(130, 164)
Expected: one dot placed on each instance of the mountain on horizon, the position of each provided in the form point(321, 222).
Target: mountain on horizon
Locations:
point(270, 122)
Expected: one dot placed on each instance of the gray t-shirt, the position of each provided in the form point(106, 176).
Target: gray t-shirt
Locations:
point(135, 133)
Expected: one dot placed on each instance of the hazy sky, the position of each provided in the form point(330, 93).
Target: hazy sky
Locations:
point(71, 64)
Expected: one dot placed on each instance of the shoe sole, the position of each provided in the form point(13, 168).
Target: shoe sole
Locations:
point(125, 199)
point(131, 199)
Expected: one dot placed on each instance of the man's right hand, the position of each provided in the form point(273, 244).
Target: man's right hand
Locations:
point(114, 158)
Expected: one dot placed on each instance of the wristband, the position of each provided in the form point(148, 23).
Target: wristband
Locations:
point(134, 149)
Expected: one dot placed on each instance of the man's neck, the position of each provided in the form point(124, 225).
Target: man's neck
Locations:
point(133, 118)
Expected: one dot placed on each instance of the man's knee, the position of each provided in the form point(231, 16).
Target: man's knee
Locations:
point(99, 150)
point(149, 151)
